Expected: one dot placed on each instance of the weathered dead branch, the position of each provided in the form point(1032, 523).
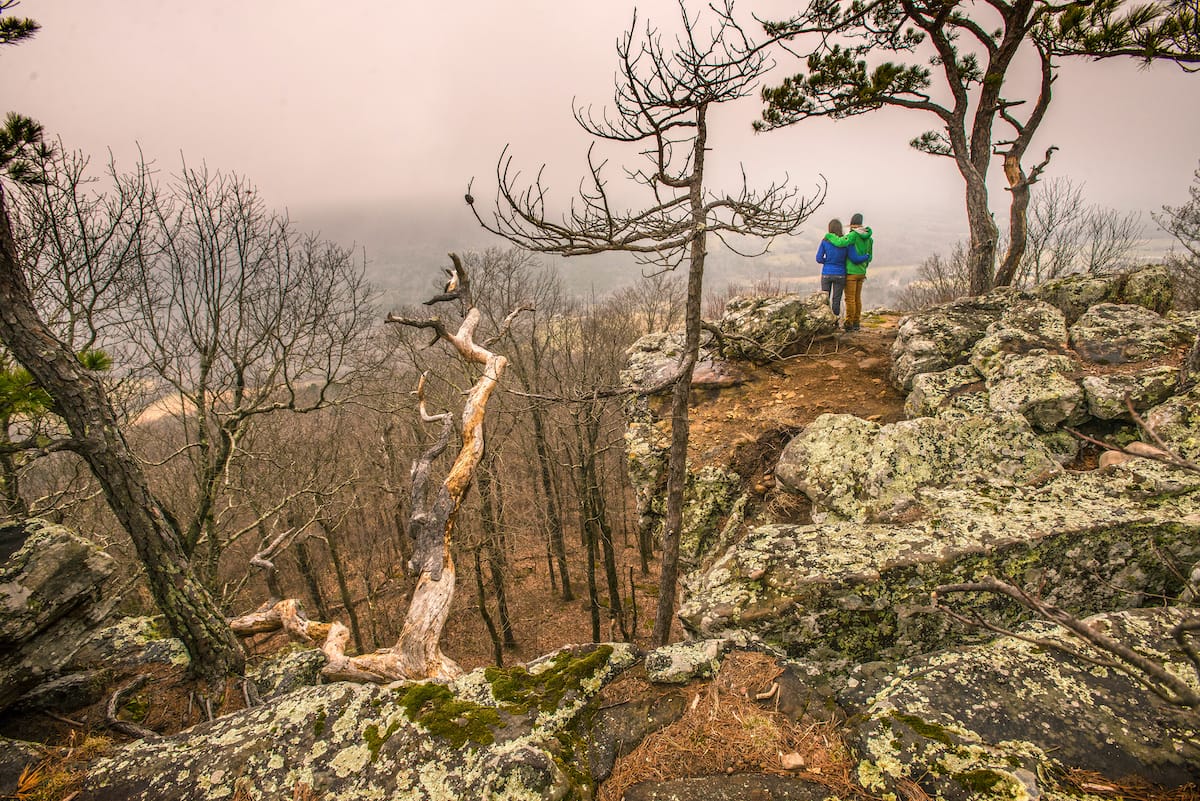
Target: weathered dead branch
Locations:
point(417, 653)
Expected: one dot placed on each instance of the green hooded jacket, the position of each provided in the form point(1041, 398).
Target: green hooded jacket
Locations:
point(860, 238)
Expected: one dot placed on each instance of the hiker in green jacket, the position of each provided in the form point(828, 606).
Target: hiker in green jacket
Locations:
point(859, 237)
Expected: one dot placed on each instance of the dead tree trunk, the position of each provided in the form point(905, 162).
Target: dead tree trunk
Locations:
point(417, 654)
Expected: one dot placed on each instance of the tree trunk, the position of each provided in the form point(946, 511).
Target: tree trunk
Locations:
point(335, 556)
point(309, 575)
point(1018, 230)
point(493, 633)
point(677, 454)
point(191, 613)
point(553, 512)
point(981, 257)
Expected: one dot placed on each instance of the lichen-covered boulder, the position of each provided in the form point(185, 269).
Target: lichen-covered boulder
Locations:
point(655, 358)
point(288, 670)
point(939, 338)
point(681, 662)
point(858, 470)
point(1110, 333)
point(1177, 423)
point(1106, 394)
point(1149, 287)
point(1002, 720)
point(1040, 387)
point(763, 329)
point(51, 598)
point(1026, 326)
point(711, 493)
point(494, 734)
point(960, 388)
point(854, 591)
point(129, 642)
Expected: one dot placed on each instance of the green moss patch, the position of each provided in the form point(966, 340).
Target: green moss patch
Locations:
point(520, 691)
point(437, 710)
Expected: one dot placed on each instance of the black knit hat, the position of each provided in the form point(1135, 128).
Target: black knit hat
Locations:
point(856, 219)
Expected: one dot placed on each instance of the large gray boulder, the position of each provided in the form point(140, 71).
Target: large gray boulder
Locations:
point(1024, 327)
point(1002, 720)
point(941, 337)
point(51, 599)
point(494, 734)
point(1041, 387)
point(1149, 287)
point(1110, 333)
point(769, 328)
point(860, 591)
point(1106, 394)
point(854, 469)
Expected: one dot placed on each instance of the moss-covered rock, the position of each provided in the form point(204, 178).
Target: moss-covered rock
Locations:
point(1024, 327)
point(858, 470)
point(1106, 394)
point(494, 734)
point(681, 662)
point(763, 329)
point(860, 591)
point(1149, 287)
point(1111, 333)
point(1001, 720)
point(942, 337)
point(958, 389)
point(1177, 423)
point(1040, 387)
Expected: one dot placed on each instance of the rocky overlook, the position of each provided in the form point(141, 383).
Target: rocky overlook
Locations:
point(824, 657)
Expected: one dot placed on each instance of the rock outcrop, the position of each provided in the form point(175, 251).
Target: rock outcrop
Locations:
point(493, 734)
point(853, 591)
point(1005, 719)
point(51, 601)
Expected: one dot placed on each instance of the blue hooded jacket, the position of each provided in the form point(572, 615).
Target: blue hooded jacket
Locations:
point(833, 257)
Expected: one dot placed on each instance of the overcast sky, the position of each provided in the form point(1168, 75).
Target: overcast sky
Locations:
point(367, 119)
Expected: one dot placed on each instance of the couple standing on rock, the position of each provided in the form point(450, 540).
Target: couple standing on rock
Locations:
point(844, 260)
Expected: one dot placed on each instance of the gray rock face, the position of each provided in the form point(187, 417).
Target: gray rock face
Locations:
point(681, 662)
point(1000, 720)
point(943, 336)
point(858, 470)
point(855, 591)
point(494, 734)
point(959, 389)
point(50, 600)
point(1041, 388)
point(1149, 287)
point(763, 329)
point(1106, 393)
point(1109, 333)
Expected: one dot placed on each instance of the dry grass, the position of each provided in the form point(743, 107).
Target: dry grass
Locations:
point(59, 775)
point(1129, 789)
point(725, 731)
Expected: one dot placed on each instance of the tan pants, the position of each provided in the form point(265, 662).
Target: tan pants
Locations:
point(854, 285)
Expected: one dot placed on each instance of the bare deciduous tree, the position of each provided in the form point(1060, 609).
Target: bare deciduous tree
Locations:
point(665, 90)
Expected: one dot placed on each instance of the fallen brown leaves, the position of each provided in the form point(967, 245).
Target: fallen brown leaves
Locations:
point(725, 731)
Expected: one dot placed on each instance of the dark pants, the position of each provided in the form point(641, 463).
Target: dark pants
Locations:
point(833, 286)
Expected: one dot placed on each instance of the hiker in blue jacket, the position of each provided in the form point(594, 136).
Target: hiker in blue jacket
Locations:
point(835, 249)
